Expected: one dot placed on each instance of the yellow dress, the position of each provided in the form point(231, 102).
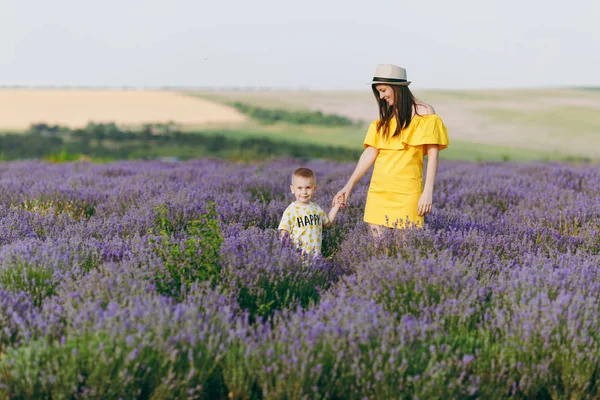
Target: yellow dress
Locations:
point(397, 180)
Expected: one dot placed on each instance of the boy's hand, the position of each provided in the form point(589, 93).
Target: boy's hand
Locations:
point(342, 196)
point(338, 201)
point(283, 234)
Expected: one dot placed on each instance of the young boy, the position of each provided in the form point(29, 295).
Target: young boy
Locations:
point(304, 220)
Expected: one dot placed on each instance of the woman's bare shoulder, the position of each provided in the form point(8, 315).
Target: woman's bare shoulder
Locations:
point(424, 109)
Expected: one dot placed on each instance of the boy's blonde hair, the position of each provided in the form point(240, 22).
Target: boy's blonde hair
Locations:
point(304, 173)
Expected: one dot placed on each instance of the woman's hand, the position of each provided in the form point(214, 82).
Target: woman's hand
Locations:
point(424, 206)
point(367, 159)
point(342, 196)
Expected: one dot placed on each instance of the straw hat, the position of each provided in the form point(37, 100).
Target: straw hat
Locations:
point(390, 74)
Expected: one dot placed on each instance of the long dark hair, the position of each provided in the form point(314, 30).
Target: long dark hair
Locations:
point(404, 103)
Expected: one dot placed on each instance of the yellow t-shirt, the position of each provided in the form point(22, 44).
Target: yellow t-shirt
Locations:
point(305, 225)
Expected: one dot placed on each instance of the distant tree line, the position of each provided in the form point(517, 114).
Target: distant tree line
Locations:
point(108, 142)
point(269, 115)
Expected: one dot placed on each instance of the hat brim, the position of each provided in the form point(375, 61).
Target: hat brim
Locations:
point(389, 83)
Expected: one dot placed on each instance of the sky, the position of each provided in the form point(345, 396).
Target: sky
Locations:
point(306, 44)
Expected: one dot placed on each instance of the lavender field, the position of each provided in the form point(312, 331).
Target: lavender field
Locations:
point(158, 280)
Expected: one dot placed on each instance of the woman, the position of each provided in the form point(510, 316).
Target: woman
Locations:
point(407, 130)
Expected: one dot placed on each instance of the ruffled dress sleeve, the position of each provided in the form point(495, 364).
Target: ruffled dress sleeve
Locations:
point(423, 129)
point(428, 129)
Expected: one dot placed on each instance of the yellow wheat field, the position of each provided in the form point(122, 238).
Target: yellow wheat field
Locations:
point(19, 108)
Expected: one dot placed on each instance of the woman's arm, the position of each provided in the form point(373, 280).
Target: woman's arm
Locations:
point(426, 199)
point(365, 161)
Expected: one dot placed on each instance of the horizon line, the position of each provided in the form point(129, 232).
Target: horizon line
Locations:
point(271, 89)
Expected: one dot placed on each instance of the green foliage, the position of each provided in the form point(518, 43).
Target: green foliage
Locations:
point(286, 279)
point(35, 280)
point(195, 258)
point(95, 365)
point(332, 239)
point(270, 116)
point(588, 88)
point(270, 296)
point(109, 142)
point(77, 209)
point(45, 128)
point(64, 156)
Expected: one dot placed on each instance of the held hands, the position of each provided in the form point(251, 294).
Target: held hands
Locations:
point(425, 203)
point(341, 197)
point(337, 201)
